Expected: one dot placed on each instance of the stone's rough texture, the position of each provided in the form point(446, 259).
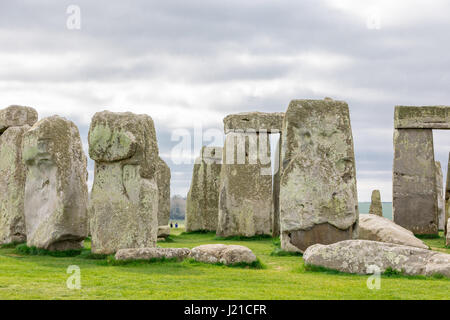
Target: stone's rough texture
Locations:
point(163, 231)
point(276, 192)
point(447, 197)
point(318, 198)
point(245, 192)
point(124, 200)
point(373, 227)
point(152, 253)
point(440, 196)
point(163, 182)
point(202, 204)
point(221, 253)
point(12, 186)
point(56, 195)
point(414, 181)
point(429, 117)
point(447, 238)
point(376, 207)
point(357, 256)
point(16, 116)
point(258, 121)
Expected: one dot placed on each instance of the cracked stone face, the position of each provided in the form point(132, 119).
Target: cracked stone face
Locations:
point(318, 198)
point(202, 204)
point(124, 200)
point(163, 181)
point(414, 181)
point(56, 193)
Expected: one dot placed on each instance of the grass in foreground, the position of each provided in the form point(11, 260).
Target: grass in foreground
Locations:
point(283, 277)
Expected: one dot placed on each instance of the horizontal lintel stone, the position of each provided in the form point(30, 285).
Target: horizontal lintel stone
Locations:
point(257, 121)
point(427, 117)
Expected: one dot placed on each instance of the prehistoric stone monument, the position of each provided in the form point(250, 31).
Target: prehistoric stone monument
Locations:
point(415, 200)
point(245, 193)
point(202, 204)
point(318, 198)
point(14, 122)
point(56, 195)
point(447, 198)
point(124, 200)
point(376, 206)
point(163, 182)
point(440, 195)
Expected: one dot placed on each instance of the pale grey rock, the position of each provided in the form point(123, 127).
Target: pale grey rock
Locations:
point(357, 256)
point(245, 192)
point(376, 206)
point(318, 198)
point(16, 116)
point(202, 203)
point(254, 121)
point(221, 253)
point(427, 117)
point(163, 182)
point(440, 196)
point(276, 191)
point(152, 253)
point(163, 231)
point(376, 228)
point(56, 195)
point(447, 238)
point(414, 202)
point(12, 186)
point(124, 199)
point(447, 196)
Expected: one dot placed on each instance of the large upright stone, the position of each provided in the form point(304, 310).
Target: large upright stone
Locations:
point(414, 181)
point(16, 116)
point(276, 191)
point(245, 192)
point(440, 196)
point(318, 198)
point(447, 197)
point(376, 206)
point(12, 186)
point(124, 199)
point(163, 182)
point(255, 121)
point(202, 204)
point(56, 195)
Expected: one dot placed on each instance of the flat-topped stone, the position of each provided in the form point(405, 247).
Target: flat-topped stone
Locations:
point(425, 117)
point(221, 253)
point(152, 253)
point(16, 116)
point(375, 205)
point(271, 122)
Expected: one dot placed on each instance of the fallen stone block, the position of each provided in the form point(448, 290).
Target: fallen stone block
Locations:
point(221, 253)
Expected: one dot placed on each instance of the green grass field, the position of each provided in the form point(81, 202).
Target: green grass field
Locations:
point(284, 277)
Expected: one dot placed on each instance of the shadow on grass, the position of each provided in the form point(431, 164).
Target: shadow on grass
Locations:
point(23, 249)
point(278, 252)
point(242, 238)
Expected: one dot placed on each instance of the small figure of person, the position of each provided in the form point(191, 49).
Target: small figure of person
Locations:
point(176, 224)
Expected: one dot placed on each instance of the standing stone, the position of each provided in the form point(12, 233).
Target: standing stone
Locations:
point(124, 198)
point(447, 241)
point(414, 181)
point(447, 197)
point(56, 194)
point(16, 116)
point(202, 204)
point(245, 192)
point(276, 192)
point(163, 181)
point(318, 198)
point(440, 195)
point(375, 206)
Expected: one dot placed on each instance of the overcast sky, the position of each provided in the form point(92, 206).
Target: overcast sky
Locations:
point(188, 63)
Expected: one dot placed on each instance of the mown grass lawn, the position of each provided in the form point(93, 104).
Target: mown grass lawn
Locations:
point(284, 277)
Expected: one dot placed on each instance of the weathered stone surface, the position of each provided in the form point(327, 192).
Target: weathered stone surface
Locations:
point(16, 116)
point(376, 207)
point(152, 253)
point(163, 182)
point(163, 231)
point(276, 192)
point(428, 117)
point(357, 256)
point(373, 227)
point(221, 253)
point(124, 199)
point(56, 195)
point(447, 241)
point(447, 196)
point(414, 181)
point(12, 185)
point(202, 203)
point(257, 121)
point(245, 192)
point(318, 198)
point(440, 196)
